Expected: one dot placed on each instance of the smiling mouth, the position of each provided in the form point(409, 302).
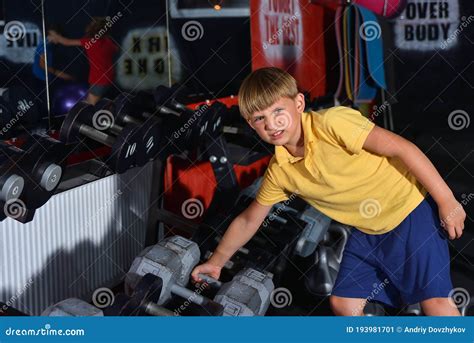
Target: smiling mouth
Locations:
point(277, 134)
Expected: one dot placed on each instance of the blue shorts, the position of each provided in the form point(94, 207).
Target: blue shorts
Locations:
point(404, 266)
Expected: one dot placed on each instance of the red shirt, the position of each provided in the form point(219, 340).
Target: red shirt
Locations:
point(100, 54)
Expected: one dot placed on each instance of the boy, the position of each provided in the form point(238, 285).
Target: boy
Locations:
point(100, 51)
point(360, 175)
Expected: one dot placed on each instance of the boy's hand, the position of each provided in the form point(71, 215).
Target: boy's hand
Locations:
point(452, 217)
point(64, 76)
point(53, 36)
point(208, 269)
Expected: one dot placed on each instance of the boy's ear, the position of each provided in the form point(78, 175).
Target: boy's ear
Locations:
point(300, 103)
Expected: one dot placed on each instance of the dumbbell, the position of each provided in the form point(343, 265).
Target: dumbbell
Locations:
point(72, 307)
point(11, 183)
point(166, 99)
point(323, 274)
point(337, 237)
point(143, 301)
point(174, 258)
point(40, 161)
point(311, 235)
point(147, 104)
point(201, 120)
point(413, 310)
point(216, 121)
point(328, 257)
point(315, 231)
point(124, 113)
point(19, 109)
point(77, 125)
point(7, 310)
point(122, 305)
point(44, 159)
point(247, 294)
point(372, 309)
point(161, 102)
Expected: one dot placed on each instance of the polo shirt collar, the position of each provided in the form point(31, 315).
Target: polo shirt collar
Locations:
point(283, 156)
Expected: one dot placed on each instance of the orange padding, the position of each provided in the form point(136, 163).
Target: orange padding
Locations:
point(228, 101)
point(184, 180)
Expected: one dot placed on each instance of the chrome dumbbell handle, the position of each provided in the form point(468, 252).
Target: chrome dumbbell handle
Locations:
point(210, 280)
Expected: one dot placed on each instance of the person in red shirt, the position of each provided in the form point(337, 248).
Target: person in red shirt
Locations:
point(100, 50)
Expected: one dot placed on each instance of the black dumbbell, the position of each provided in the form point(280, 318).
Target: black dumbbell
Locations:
point(8, 310)
point(373, 309)
point(216, 122)
point(167, 98)
point(11, 181)
point(142, 302)
point(146, 102)
point(81, 121)
point(44, 164)
point(18, 109)
point(322, 275)
point(40, 162)
point(184, 127)
point(125, 113)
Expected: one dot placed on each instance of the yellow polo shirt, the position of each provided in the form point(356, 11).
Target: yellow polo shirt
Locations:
point(347, 183)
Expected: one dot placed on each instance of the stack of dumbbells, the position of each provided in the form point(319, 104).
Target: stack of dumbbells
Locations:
point(157, 284)
point(29, 175)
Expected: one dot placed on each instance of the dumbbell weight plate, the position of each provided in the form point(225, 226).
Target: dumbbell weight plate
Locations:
point(72, 307)
point(51, 177)
point(69, 132)
point(216, 122)
point(373, 309)
point(41, 160)
point(148, 291)
point(128, 111)
point(125, 148)
point(150, 145)
point(248, 294)
point(119, 307)
point(12, 188)
point(148, 133)
point(48, 161)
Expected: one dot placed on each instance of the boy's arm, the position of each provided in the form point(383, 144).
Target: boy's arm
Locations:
point(239, 232)
point(386, 143)
point(54, 71)
point(55, 37)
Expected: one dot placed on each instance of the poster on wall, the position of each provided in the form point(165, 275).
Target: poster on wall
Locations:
point(289, 34)
point(426, 25)
point(144, 62)
point(19, 40)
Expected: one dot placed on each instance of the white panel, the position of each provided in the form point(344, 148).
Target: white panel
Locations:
point(82, 239)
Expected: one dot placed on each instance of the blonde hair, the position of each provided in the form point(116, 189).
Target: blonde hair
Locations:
point(263, 87)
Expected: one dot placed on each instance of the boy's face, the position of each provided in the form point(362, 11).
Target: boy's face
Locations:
point(279, 123)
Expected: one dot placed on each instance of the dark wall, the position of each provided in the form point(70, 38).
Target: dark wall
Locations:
point(430, 84)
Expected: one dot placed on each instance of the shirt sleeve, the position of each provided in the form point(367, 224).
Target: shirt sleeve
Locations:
point(270, 192)
point(84, 41)
point(348, 127)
